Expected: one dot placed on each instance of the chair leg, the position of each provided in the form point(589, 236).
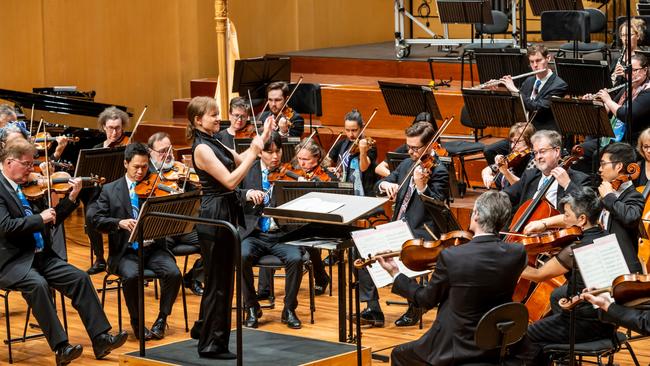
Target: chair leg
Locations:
point(155, 288)
point(312, 294)
point(631, 351)
point(119, 305)
point(27, 317)
point(8, 341)
point(104, 289)
point(63, 313)
point(183, 295)
point(272, 291)
point(329, 253)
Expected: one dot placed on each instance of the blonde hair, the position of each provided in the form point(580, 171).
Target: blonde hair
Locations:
point(526, 134)
point(198, 107)
point(645, 135)
point(637, 26)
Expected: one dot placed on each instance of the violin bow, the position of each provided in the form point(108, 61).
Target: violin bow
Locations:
point(334, 144)
point(250, 101)
point(31, 120)
point(356, 141)
point(47, 171)
point(40, 124)
point(135, 128)
point(286, 101)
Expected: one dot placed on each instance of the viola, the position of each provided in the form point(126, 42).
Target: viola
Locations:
point(152, 185)
point(122, 141)
point(628, 290)
point(39, 140)
point(420, 254)
point(550, 241)
point(355, 146)
point(36, 186)
point(632, 172)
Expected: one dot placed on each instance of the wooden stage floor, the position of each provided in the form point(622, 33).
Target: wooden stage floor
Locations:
point(37, 352)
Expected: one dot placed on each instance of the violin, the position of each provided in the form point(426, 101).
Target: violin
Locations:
point(152, 185)
point(39, 140)
point(36, 186)
point(287, 172)
point(628, 290)
point(549, 241)
point(247, 132)
point(355, 146)
point(632, 172)
point(513, 159)
point(122, 141)
point(180, 171)
point(55, 165)
point(420, 254)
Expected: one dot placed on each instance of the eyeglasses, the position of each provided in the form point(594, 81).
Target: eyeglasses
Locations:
point(414, 148)
point(161, 151)
point(238, 117)
point(637, 70)
point(111, 128)
point(25, 163)
point(543, 151)
point(645, 147)
point(603, 163)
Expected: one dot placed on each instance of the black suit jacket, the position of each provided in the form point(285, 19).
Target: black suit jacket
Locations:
point(464, 290)
point(17, 242)
point(637, 320)
point(416, 215)
point(297, 123)
point(527, 186)
point(554, 86)
point(624, 216)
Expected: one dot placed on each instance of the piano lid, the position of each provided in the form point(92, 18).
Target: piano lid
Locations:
point(60, 110)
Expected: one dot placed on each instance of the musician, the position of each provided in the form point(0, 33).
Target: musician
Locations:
point(239, 112)
point(263, 236)
point(115, 213)
point(643, 151)
point(9, 117)
point(634, 319)
point(357, 168)
point(408, 207)
point(468, 281)
point(519, 137)
point(220, 171)
point(546, 150)
point(536, 92)
point(637, 34)
point(622, 208)
point(11, 133)
point(276, 96)
point(34, 257)
point(582, 208)
point(112, 121)
point(382, 169)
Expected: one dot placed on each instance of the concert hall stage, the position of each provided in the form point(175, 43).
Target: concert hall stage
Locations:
point(260, 348)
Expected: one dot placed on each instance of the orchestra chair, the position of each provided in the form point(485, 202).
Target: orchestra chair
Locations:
point(4, 293)
point(274, 263)
point(499, 328)
point(185, 250)
point(575, 26)
point(605, 347)
point(499, 26)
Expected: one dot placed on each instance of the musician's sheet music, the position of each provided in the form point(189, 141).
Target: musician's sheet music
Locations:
point(389, 236)
point(601, 262)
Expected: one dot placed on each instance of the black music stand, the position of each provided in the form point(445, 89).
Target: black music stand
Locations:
point(495, 63)
point(106, 162)
point(410, 100)
point(467, 12)
point(494, 108)
point(539, 6)
point(254, 74)
point(395, 159)
point(288, 147)
point(307, 100)
point(441, 214)
point(583, 76)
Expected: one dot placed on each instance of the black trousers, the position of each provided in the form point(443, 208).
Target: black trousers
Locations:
point(320, 273)
point(87, 196)
point(50, 271)
point(258, 245)
point(404, 355)
point(163, 265)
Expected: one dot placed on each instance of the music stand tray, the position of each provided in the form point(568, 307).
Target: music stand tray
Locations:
point(583, 76)
point(409, 99)
point(581, 117)
point(255, 74)
point(494, 108)
point(465, 11)
point(495, 63)
point(106, 162)
point(539, 6)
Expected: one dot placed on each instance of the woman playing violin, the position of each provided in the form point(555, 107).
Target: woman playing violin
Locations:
point(113, 121)
point(507, 169)
point(311, 163)
point(288, 124)
point(238, 114)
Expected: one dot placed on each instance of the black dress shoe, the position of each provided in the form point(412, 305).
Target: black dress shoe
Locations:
point(195, 332)
point(196, 288)
point(147, 332)
point(320, 289)
point(372, 317)
point(253, 314)
point(103, 344)
point(219, 355)
point(67, 353)
point(411, 317)
point(290, 318)
point(98, 267)
point(158, 328)
point(263, 295)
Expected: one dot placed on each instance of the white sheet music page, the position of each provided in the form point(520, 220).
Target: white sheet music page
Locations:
point(601, 262)
point(384, 237)
point(316, 205)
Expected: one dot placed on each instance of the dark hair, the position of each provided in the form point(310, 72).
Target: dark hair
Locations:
point(354, 115)
point(134, 149)
point(111, 113)
point(584, 201)
point(423, 117)
point(278, 85)
point(643, 61)
point(537, 48)
point(275, 139)
point(422, 129)
point(620, 152)
point(239, 102)
point(157, 137)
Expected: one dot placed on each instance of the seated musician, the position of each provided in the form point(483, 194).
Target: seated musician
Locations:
point(239, 112)
point(357, 167)
point(637, 29)
point(11, 133)
point(634, 319)
point(113, 121)
point(158, 144)
point(622, 208)
point(382, 169)
point(9, 117)
point(547, 146)
point(34, 258)
point(536, 92)
point(500, 173)
point(262, 237)
point(466, 283)
point(408, 206)
point(115, 213)
point(582, 208)
point(643, 151)
point(276, 95)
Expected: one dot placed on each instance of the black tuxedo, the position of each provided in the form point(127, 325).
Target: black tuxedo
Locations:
point(33, 273)
point(112, 206)
point(464, 290)
point(297, 123)
point(624, 216)
point(526, 187)
point(554, 86)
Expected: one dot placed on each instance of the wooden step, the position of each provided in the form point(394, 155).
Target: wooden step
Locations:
point(179, 107)
point(204, 87)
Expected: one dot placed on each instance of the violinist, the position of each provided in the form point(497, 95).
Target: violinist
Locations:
point(35, 259)
point(408, 206)
point(289, 123)
point(637, 29)
point(311, 163)
point(501, 173)
point(9, 117)
point(643, 151)
point(116, 213)
point(634, 319)
point(582, 208)
point(468, 281)
point(238, 114)
point(382, 168)
point(112, 121)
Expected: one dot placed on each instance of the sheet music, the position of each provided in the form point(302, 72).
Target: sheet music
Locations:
point(388, 236)
point(315, 205)
point(601, 262)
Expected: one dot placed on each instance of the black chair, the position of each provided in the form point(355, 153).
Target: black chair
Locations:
point(185, 250)
point(274, 263)
point(606, 347)
point(597, 24)
point(575, 26)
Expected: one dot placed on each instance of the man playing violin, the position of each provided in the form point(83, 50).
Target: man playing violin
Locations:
point(34, 258)
point(501, 173)
point(634, 319)
point(238, 114)
point(469, 280)
point(276, 96)
point(382, 169)
point(116, 213)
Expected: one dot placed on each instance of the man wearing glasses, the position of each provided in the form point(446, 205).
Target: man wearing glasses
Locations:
point(239, 112)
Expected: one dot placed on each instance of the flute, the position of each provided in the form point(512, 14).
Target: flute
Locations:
point(496, 82)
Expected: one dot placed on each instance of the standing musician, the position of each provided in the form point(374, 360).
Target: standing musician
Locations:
point(357, 167)
point(239, 112)
point(582, 208)
point(382, 169)
point(34, 257)
point(536, 92)
point(289, 123)
point(468, 281)
point(115, 213)
point(637, 28)
point(501, 173)
point(408, 207)
point(622, 208)
point(220, 171)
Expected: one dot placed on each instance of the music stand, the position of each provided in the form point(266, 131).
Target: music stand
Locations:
point(583, 76)
point(466, 11)
point(410, 100)
point(254, 74)
point(539, 6)
point(495, 63)
point(106, 162)
point(395, 159)
point(288, 147)
point(441, 214)
point(494, 108)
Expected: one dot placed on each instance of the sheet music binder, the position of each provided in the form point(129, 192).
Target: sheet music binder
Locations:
point(494, 108)
point(581, 117)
